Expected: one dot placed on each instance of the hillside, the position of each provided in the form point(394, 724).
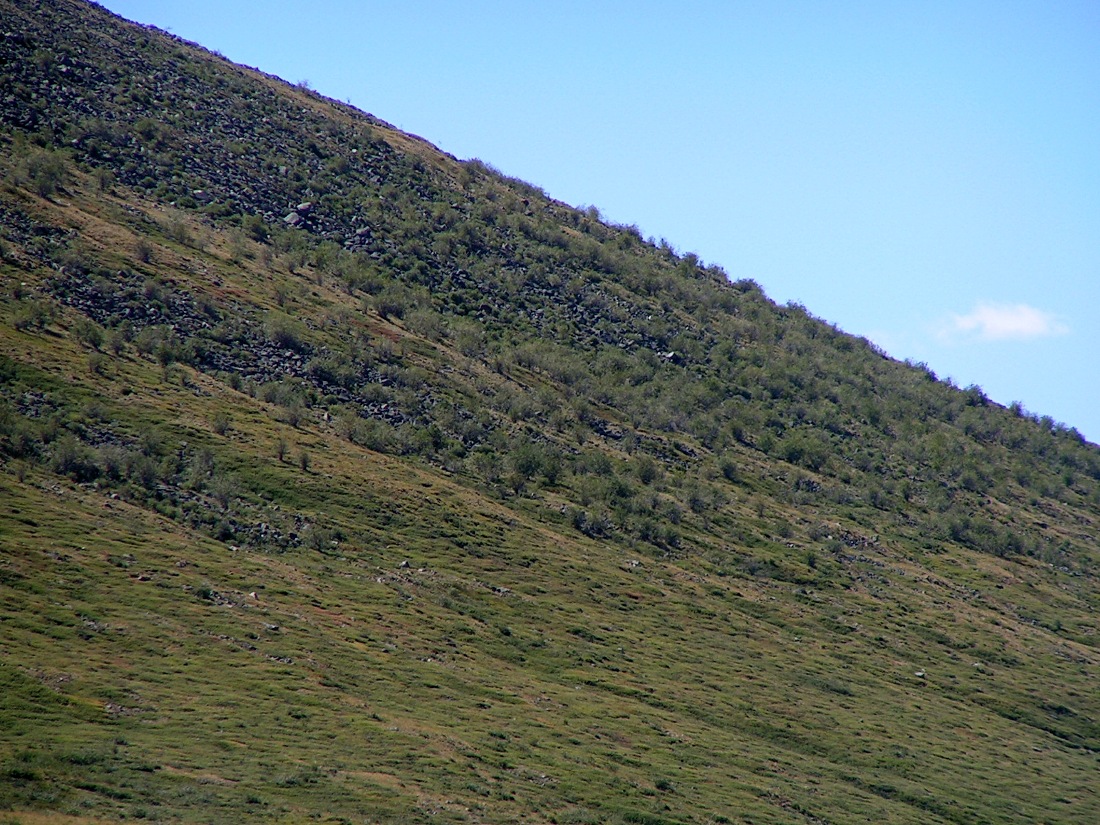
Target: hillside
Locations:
point(344, 480)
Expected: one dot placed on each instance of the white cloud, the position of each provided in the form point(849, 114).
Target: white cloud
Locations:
point(1005, 322)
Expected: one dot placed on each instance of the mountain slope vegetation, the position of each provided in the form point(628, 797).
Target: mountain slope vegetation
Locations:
point(345, 480)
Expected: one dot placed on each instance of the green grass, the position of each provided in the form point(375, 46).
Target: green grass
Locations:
point(430, 690)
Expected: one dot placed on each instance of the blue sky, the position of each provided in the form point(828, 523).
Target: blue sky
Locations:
point(925, 174)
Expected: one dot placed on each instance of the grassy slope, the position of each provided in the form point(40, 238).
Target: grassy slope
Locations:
point(515, 668)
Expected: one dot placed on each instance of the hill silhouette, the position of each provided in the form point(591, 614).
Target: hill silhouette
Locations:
point(346, 480)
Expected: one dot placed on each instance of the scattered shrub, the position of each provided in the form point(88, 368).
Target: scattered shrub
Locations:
point(88, 333)
point(44, 173)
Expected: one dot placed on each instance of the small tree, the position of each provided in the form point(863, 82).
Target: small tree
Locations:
point(116, 341)
point(88, 333)
point(285, 332)
point(526, 460)
point(255, 228)
point(143, 250)
point(44, 173)
point(34, 314)
point(646, 469)
point(222, 487)
point(294, 413)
